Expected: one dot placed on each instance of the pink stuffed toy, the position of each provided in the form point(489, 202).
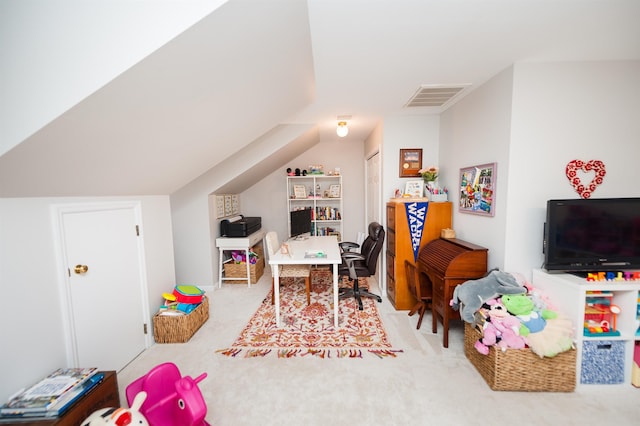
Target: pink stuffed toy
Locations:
point(501, 329)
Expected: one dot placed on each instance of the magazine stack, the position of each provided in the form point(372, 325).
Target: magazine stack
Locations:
point(52, 395)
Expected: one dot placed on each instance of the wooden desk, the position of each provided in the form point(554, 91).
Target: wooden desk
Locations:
point(296, 256)
point(446, 263)
point(104, 395)
point(237, 243)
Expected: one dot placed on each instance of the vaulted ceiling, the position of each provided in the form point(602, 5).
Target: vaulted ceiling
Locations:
point(248, 69)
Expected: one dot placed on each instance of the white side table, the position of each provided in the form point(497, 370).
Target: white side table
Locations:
point(237, 243)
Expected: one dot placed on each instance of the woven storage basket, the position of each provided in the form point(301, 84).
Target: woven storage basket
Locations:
point(521, 369)
point(179, 329)
point(239, 270)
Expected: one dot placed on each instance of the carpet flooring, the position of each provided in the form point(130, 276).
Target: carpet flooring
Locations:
point(308, 329)
point(424, 385)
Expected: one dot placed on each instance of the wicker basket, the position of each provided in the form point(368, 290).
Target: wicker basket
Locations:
point(521, 369)
point(239, 270)
point(179, 329)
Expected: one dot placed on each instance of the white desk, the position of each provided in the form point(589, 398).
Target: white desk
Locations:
point(297, 250)
point(237, 243)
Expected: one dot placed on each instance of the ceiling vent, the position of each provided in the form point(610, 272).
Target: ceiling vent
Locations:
point(435, 95)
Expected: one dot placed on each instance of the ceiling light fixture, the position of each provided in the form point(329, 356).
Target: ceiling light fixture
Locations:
point(342, 129)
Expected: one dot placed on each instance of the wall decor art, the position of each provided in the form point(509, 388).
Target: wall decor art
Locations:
point(478, 189)
point(595, 166)
point(410, 162)
point(414, 188)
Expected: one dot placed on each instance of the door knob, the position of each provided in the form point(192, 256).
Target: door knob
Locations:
point(81, 269)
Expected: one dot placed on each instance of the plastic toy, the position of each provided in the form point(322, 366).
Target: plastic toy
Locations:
point(120, 416)
point(240, 257)
point(171, 399)
point(600, 314)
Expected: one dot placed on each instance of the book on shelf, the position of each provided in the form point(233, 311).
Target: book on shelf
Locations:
point(49, 393)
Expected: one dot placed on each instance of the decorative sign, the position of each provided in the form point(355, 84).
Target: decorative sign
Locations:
point(416, 216)
point(595, 166)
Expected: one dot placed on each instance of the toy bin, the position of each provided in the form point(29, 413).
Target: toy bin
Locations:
point(521, 369)
point(239, 270)
point(602, 362)
point(180, 328)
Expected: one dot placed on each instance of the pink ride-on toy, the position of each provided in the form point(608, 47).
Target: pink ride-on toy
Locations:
point(171, 399)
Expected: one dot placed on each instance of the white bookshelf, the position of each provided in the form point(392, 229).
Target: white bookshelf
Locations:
point(568, 294)
point(326, 204)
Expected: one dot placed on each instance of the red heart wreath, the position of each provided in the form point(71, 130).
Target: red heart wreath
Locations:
point(596, 166)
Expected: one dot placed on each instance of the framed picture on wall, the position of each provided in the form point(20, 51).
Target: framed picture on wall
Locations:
point(219, 205)
point(410, 162)
point(478, 189)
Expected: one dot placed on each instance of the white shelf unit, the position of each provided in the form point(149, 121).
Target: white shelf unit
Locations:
point(326, 205)
point(568, 294)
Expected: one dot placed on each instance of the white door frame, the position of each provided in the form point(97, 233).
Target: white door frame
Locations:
point(58, 212)
point(381, 271)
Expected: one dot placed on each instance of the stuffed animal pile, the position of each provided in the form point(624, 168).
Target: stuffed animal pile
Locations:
point(512, 315)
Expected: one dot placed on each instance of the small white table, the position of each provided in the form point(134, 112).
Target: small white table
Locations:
point(237, 243)
point(296, 256)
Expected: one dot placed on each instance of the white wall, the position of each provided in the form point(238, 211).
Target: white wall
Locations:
point(33, 340)
point(532, 119)
point(407, 131)
point(562, 112)
point(475, 131)
point(268, 198)
point(47, 68)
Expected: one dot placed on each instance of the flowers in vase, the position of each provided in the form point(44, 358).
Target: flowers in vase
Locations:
point(429, 174)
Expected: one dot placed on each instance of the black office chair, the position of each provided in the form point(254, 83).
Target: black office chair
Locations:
point(358, 265)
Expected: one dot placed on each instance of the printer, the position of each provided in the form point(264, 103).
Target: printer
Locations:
point(240, 226)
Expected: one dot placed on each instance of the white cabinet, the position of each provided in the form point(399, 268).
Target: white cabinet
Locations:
point(321, 193)
point(569, 293)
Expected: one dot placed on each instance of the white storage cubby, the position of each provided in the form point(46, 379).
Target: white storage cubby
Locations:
point(568, 293)
point(323, 194)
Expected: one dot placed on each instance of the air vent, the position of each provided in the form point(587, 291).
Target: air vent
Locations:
point(435, 95)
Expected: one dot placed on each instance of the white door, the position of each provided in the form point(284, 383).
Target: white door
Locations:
point(105, 286)
point(373, 204)
point(373, 189)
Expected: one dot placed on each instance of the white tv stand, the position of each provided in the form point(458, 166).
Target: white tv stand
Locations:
point(567, 292)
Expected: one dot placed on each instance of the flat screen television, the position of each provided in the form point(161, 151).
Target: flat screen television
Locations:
point(300, 221)
point(595, 234)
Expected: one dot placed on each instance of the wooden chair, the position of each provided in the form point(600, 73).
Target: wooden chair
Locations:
point(287, 271)
point(421, 290)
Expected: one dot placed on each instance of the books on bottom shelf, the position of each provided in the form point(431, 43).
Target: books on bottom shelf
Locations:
point(52, 395)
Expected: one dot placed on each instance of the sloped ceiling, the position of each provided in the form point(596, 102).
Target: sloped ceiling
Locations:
point(179, 112)
point(251, 66)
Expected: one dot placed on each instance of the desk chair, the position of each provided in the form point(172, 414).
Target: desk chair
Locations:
point(420, 287)
point(287, 271)
point(358, 265)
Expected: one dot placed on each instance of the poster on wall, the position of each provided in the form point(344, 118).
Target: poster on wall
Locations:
point(478, 189)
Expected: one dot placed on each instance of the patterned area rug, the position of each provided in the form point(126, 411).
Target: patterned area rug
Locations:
point(308, 330)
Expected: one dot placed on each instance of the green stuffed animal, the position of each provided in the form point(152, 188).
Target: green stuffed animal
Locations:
point(522, 306)
point(545, 332)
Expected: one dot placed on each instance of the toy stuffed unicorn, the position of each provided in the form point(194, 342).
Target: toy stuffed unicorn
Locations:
point(119, 416)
